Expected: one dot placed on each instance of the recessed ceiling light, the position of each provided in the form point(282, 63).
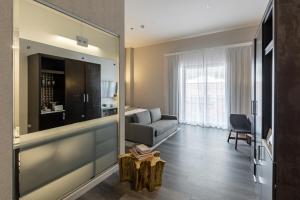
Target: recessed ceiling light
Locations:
point(132, 28)
point(142, 26)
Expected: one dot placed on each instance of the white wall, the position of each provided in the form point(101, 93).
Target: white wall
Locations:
point(129, 77)
point(108, 14)
point(150, 75)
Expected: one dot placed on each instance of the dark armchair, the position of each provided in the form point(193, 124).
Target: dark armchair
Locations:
point(241, 125)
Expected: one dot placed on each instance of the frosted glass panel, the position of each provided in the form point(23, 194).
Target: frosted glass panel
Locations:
point(45, 163)
point(105, 161)
point(61, 165)
point(106, 147)
point(63, 185)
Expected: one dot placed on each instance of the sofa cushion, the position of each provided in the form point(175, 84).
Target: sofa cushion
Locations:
point(143, 117)
point(163, 126)
point(155, 114)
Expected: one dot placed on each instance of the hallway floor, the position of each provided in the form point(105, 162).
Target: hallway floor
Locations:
point(201, 165)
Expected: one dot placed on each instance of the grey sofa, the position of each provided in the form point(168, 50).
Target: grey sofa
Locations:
point(149, 127)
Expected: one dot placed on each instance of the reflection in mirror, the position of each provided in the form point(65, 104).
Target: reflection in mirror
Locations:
point(65, 71)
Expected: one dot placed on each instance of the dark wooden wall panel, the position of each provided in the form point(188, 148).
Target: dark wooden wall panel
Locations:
point(34, 106)
point(287, 140)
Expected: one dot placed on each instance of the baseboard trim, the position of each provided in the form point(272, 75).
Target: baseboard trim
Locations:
point(91, 184)
point(162, 141)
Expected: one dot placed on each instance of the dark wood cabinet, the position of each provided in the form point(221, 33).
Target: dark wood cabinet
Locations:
point(275, 102)
point(73, 84)
point(83, 91)
point(75, 91)
point(52, 120)
point(93, 93)
point(46, 84)
point(34, 93)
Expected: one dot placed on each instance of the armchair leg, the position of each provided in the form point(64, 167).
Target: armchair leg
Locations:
point(229, 136)
point(248, 139)
point(236, 139)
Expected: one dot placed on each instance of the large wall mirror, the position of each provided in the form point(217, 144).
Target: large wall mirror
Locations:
point(65, 70)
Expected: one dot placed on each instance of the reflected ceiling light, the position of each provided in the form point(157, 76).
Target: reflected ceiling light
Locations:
point(71, 42)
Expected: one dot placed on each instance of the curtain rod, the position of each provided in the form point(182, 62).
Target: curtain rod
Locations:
point(225, 46)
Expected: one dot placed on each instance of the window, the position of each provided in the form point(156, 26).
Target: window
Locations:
point(202, 88)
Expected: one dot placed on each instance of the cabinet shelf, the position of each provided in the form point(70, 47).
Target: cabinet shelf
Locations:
point(269, 47)
point(51, 112)
point(52, 71)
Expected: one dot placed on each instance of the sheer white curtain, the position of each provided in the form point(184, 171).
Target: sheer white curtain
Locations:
point(206, 86)
point(202, 88)
point(238, 76)
point(173, 72)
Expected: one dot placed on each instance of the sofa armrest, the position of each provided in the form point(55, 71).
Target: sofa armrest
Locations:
point(168, 117)
point(139, 133)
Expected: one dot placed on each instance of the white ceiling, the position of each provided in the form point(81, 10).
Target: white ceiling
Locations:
point(166, 20)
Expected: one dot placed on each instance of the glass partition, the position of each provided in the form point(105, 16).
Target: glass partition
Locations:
point(65, 70)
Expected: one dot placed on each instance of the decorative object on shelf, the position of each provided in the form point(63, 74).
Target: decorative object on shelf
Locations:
point(58, 108)
point(53, 104)
point(142, 168)
point(47, 84)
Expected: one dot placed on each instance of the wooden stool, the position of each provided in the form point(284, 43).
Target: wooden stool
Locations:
point(141, 173)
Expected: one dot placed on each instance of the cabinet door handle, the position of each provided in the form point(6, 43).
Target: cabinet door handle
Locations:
point(84, 100)
point(87, 98)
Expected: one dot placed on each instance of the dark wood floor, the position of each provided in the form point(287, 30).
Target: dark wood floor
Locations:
point(200, 165)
